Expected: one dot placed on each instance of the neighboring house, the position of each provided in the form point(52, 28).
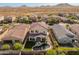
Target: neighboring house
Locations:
point(17, 33)
point(33, 18)
point(62, 35)
point(64, 19)
point(1, 18)
point(45, 18)
point(75, 29)
point(38, 31)
point(9, 18)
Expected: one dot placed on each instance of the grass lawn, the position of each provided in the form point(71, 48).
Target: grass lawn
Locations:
point(67, 49)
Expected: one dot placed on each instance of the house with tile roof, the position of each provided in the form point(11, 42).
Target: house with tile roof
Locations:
point(17, 33)
point(1, 18)
point(38, 31)
point(9, 18)
point(63, 36)
point(75, 29)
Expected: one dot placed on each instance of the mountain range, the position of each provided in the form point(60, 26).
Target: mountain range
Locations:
point(60, 5)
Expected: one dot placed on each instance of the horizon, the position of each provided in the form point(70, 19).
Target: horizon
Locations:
point(33, 4)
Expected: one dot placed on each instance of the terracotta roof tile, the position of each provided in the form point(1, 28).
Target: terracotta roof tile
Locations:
point(18, 32)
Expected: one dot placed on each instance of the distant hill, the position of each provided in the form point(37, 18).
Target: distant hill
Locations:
point(58, 5)
point(63, 5)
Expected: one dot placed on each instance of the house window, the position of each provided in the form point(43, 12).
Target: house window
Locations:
point(31, 31)
point(36, 31)
point(43, 39)
point(44, 32)
point(32, 39)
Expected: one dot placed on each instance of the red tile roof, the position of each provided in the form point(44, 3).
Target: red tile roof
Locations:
point(75, 28)
point(17, 33)
point(39, 26)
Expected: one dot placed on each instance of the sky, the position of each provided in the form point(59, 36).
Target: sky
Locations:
point(27, 4)
point(30, 4)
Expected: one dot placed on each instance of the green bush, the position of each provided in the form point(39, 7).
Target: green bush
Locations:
point(52, 21)
point(51, 52)
point(6, 46)
point(23, 20)
point(17, 46)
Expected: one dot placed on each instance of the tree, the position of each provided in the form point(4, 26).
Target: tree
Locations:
point(52, 21)
point(17, 46)
point(39, 17)
point(6, 46)
point(23, 20)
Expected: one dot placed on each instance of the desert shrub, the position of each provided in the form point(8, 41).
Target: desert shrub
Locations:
point(17, 46)
point(6, 46)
